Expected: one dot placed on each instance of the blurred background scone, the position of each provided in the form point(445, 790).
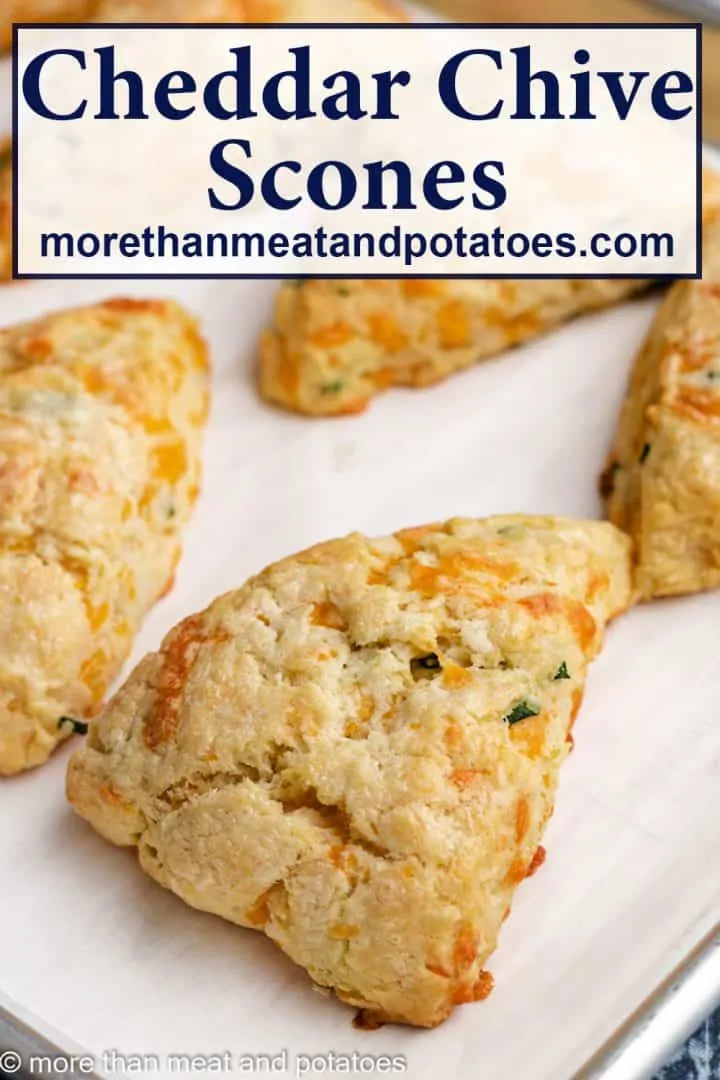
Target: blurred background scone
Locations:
point(247, 11)
point(334, 345)
point(101, 413)
point(357, 752)
point(662, 483)
point(14, 11)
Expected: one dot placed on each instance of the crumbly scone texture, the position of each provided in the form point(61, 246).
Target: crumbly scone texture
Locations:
point(101, 413)
point(662, 481)
point(248, 11)
point(357, 751)
point(336, 344)
point(14, 11)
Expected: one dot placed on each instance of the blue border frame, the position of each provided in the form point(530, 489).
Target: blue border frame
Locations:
point(696, 26)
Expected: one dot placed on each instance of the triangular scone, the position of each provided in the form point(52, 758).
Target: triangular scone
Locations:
point(662, 482)
point(18, 11)
point(334, 345)
point(101, 412)
point(357, 752)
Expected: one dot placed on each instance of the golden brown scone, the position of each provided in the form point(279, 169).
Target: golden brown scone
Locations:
point(662, 482)
point(357, 752)
point(249, 11)
point(101, 412)
point(336, 344)
point(13, 11)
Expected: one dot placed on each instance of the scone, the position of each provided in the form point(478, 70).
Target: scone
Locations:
point(336, 344)
point(357, 752)
point(6, 193)
point(15, 11)
point(248, 11)
point(101, 413)
point(662, 482)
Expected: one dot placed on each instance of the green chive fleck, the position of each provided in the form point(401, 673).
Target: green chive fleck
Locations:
point(561, 673)
point(332, 387)
point(425, 667)
point(521, 711)
point(78, 726)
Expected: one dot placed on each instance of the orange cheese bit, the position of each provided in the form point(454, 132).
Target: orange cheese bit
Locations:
point(170, 461)
point(453, 325)
point(522, 819)
point(385, 332)
point(327, 614)
point(332, 336)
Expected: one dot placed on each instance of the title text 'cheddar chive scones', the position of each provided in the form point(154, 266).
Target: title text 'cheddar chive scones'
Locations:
point(357, 752)
point(336, 344)
point(101, 411)
point(14, 11)
point(6, 183)
point(663, 479)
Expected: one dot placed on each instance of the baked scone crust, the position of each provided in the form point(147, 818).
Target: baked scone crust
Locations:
point(357, 752)
point(101, 412)
point(662, 480)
